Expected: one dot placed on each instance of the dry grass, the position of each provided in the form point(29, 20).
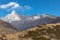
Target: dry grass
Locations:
point(40, 32)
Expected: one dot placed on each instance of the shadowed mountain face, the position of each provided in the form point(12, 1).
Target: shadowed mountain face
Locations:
point(39, 32)
point(7, 28)
point(56, 20)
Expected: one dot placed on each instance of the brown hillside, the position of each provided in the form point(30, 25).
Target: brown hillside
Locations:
point(6, 28)
point(40, 32)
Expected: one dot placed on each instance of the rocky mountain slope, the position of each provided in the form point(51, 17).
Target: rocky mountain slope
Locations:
point(7, 28)
point(39, 32)
point(24, 22)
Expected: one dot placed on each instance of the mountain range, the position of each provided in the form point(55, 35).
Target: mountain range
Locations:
point(24, 22)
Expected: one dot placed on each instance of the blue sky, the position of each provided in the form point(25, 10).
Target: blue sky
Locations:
point(30, 7)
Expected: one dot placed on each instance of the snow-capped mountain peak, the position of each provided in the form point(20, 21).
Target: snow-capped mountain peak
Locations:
point(13, 12)
point(36, 16)
point(12, 17)
point(48, 15)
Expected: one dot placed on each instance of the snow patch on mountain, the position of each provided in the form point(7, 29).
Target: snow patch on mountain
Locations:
point(48, 15)
point(35, 17)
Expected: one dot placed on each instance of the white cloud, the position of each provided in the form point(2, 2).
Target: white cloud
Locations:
point(14, 5)
point(11, 4)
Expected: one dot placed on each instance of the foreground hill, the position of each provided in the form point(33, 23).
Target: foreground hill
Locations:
point(39, 32)
point(6, 28)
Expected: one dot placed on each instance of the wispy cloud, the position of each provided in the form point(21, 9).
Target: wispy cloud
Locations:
point(14, 5)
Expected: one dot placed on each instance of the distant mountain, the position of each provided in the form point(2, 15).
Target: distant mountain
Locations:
point(39, 32)
point(24, 22)
point(7, 28)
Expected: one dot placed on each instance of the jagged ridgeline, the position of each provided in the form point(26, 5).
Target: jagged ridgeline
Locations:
point(39, 32)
